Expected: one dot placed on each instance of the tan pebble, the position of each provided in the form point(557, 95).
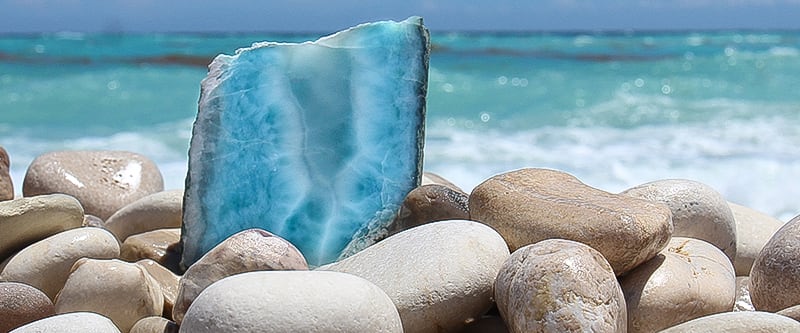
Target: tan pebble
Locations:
point(124, 292)
point(698, 211)
point(743, 302)
point(530, 205)
point(83, 322)
point(738, 322)
point(245, 251)
point(168, 282)
point(430, 203)
point(439, 275)
point(753, 231)
point(154, 324)
point(775, 276)
point(161, 210)
point(161, 245)
point(791, 312)
point(292, 301)
point(432, 178)
point(24, 221)
point(21, 304)
point(103, 181)
point(46, 264)
point(559, 285)
point(689, 279)
point(6, 184)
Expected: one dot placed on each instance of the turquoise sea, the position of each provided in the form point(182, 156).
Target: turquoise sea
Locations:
point(614, 109)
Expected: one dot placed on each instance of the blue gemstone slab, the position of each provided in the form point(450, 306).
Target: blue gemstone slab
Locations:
point(317, 142)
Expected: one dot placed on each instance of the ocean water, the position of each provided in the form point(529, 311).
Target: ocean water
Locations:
point(614, 109)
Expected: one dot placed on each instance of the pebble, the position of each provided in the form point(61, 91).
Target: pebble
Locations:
point(167, 280)
point(430, 203)
point(154, 324)
point(432, 178)
point(738, 322)
point(93, 221)
point(46, 264)
point(292, 301)
point(775, 276)
point(21, 304)
point(698, 211)
point(439, 275)
point(245, 251)
point(530, 205)
point(753, 231)
point(159, 210)
point(6, 184)
point(559, 285)
point(691, 278)
point(83, 322)
point(162, 246)
point(743, 302)
point(25, 221)
point(791, 312)
point(124, 292)
point(486, 324)
point(103, 181)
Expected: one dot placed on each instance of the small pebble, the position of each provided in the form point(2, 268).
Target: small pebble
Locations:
point(154, 324)
point(791, 312)
point(83, 322)
point(430, 203)
point(753, 231)
point(168, 282)
point(432, 178)
point(738, 322)
point(103, 181)
point(160, 245)
point(775, 276)
point(743, 302)
point(24, 221)
point(161, 210)
point(6, 184)
point(21, 304)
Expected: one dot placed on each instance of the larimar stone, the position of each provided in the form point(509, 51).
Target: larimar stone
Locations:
point(317, 142)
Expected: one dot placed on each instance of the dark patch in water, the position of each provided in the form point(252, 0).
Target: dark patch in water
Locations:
point(165, 60)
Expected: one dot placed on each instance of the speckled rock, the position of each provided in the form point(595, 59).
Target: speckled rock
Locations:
point(743, 302)
point(439, 275)
point(775, 276)
point(46, 264)
point(738, 322)
point(530, 205)
point(168, 282)
point(154, 324)
point(689, 279)
point(245, 251)
point(6, 184)
point(430, 203)
point(161, 210)
point(559, 285)
point(432, 178)
point(160, 245)
point(21, 304)
point(698, 211)
point(791, 312)
point(124, 292)
point(292, 301)
point(25, 221)
point(103, 181)
point(84, 322)
point(753, 231)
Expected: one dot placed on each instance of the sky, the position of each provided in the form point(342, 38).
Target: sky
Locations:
point(20, 16)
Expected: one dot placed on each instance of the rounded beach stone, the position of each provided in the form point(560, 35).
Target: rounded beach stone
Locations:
point(743, 302)
point(753, 231)
point(25, 221)
point(791, 312)
point(46, 264)
point(439, 275)
point(103, 181)
point(124, 292)
point(21, 304)
point(432, 178)
point(159, 210)
point(245, 251)
point(160, 245)
point(292, 301)
point(430, 203)
point(168, 282)
point(775, 276)
point(530, 205)
point(93, 221)
point(559, 285)
point(154, 324)
point(6, 185)
point(738, 322)
point(689, 279)
point(698, 211)
point(84, 322)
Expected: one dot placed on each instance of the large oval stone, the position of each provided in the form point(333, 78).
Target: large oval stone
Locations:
point(689, 279)
point(161, 210)
point(84, 322)
point(738, 322)
point(753, 231)
point(6, 184)
point(46, 264)
point(21, 304)
point(439, 275)
point(775, 276)
point(292, 301)
point(103, 181)
point(559, 285)
point(698, 211)
point(24, 221)
point(530, 205)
